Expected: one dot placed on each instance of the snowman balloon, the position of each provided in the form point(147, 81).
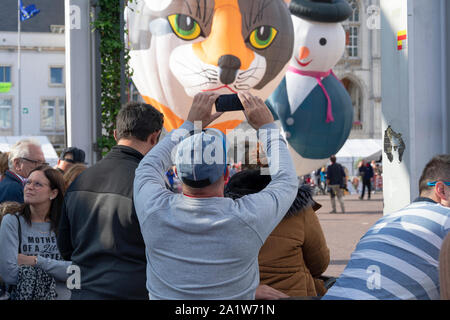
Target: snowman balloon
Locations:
point(314, 109)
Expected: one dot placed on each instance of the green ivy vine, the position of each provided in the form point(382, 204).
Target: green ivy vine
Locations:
point(108, 25)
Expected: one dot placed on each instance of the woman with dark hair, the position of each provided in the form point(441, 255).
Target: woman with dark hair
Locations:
point(36, 223)
point(295, 254)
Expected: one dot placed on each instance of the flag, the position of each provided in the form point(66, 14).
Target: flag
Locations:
point(401, 36)
point(28, 12)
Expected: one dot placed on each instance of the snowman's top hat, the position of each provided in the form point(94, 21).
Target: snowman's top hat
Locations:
point(321, 10)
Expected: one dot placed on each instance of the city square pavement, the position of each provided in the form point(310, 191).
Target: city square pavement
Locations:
point(343, 231)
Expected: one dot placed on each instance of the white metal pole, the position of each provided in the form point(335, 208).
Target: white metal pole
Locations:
point(19, 100)
point(444, 93)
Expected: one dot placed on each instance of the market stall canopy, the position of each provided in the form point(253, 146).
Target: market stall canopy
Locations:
point(355, 150)
point(6, 142)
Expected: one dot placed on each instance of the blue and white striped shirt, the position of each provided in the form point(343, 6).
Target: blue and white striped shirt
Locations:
point(398, 258)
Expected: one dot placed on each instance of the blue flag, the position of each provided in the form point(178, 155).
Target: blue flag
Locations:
point(28, 12)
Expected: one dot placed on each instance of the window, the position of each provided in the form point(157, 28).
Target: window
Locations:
point(5, 113)
point(56, 76)
point(355, 93)
point(52, 114)
point(352, 26)
point(352, 41)
point(5, 74)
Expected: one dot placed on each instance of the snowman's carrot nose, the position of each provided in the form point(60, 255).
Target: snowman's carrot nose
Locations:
point(303, 53)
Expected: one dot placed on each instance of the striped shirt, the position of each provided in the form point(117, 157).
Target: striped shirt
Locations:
point(398, 258)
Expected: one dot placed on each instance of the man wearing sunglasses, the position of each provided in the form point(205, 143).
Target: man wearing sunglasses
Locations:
point(398, 257)
point(23, 157)
point(69, 157)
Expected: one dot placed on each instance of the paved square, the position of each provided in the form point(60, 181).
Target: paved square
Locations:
point(343, 231)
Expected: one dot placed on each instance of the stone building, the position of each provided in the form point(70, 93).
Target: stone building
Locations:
point(360, 68)
point(42, 72)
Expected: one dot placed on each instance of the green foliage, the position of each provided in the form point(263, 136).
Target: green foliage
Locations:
point(111, 47)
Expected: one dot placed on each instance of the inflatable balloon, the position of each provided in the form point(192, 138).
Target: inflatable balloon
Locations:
point(179, 48)
point(313, 107)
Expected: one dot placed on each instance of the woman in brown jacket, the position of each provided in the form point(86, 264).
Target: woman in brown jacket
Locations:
point(295, 254)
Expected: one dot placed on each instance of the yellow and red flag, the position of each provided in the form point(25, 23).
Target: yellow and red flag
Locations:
point(401, 36)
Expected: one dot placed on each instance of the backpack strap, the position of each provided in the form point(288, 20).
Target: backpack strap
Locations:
point(19, 232)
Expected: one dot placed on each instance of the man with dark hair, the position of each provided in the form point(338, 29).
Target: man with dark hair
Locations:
point(398, 258)
point(336, 180)
point(69, 157)
point(366, 172)
point(99, 230)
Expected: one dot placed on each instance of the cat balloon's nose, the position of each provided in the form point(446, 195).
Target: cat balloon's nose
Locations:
point(229, 66)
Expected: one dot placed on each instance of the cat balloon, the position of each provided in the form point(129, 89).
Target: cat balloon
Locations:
point(179, 48)
point(314, 109)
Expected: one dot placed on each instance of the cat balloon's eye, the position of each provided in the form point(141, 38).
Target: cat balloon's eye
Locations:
point(185, 27)
point(323, 41)
point(262, 37)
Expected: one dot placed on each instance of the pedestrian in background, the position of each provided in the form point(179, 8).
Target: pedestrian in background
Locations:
point(24, 156)
point(336, 182)
point(69, 157)
point(366, 172)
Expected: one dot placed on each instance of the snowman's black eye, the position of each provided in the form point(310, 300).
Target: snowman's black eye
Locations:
point(323, 41)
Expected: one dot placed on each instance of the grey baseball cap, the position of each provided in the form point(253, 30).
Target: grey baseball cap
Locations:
point(201, 158)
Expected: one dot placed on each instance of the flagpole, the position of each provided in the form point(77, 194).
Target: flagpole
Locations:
point(19, 100)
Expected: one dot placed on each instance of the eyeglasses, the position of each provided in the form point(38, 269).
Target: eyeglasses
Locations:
point(433, 183)
point(36, 184)
point(36, 162)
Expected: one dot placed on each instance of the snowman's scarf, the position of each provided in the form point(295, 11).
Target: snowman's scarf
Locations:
point(318, 75)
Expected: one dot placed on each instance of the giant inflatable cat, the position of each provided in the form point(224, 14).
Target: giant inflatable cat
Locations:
point(179, 48)
point(314, 109)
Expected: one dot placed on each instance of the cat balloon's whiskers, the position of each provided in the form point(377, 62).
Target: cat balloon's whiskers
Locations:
point(254, 69)
point(239, 81)
point(203, 84)
point(242, 87)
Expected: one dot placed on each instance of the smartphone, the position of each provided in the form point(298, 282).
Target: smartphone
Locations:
point(228, 102)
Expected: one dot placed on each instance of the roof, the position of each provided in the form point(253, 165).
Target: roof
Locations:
point(368, 149)
point(52, 13)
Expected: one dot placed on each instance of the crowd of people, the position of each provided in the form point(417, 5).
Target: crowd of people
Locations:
point(230, 232)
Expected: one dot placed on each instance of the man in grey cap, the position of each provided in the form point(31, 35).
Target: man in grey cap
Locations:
point(69, 157)
point(199, 244)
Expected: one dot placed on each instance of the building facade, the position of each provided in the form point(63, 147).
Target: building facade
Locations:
point(360, 68)
point(36, 78)
point(42, 71)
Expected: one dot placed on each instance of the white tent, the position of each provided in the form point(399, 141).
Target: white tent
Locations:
point(358, 149)
point(6, 142)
